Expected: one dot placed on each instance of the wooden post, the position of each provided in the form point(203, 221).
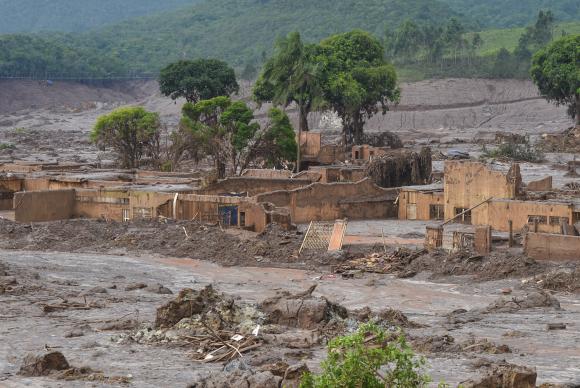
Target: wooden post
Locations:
point(511, 228)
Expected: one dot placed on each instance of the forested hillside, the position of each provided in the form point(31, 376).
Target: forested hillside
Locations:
point(75, 15)
point(423, 37)
point(514, 13)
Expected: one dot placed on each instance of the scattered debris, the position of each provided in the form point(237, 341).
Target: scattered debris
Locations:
point(556, 326)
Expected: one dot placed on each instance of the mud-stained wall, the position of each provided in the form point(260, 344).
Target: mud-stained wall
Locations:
point(108, 205)
point(416, 205)
point(250, 214)
point(319, 201)
point(252, 186)
point(470, 183)
point(40, 206)
point(498, 213)
point(9, 186)
point(338, 174)
point(542, 246)
point(266, 173)
point(366, 152)
point(543, 184)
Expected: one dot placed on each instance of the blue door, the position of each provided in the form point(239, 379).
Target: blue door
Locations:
point(228, 215)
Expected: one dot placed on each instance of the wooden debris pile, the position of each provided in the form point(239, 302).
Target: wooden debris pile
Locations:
point(222, 346)
point(395, 262)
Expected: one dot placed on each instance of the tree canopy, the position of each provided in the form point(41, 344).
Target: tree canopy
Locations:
point(292, 75)
point(201, 79)
point(225, 131)
point(556, 72)
point(131, 131)
point(358, 81)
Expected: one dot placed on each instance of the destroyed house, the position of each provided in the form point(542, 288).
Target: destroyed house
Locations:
point(250, 201)
point(476, 194)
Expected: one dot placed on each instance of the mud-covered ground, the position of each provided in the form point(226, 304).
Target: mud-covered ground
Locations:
point(40, 123)
point(95, 301)
point(78, 304)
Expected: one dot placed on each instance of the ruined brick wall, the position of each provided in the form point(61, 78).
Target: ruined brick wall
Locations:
point(416, 205)
point(252, 186)
point(469, 183)
point(104, 204)
point(256, 216)
point(310, 144)
point(9, 186)
point(320, 201)
point(542, 246)
point(41, 206)
point(498, 213)
point(266, 173)
point(543, 184)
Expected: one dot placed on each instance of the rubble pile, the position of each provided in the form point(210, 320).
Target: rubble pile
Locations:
point(395, 262)
point(302, 310)
point(220, 328)
point(216, 326)
point(504, 375)
point(567, 141)
point(385, 317)
point(560, 279)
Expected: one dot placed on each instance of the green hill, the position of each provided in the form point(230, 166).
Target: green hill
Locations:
point(514, 13)
point(239, 31)
point(495, 39)
point(75, 15)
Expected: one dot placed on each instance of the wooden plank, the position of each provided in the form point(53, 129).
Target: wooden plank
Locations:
point(337, 237)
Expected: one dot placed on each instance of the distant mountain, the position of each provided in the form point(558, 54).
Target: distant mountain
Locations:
point(75, 15)
point(514, 13)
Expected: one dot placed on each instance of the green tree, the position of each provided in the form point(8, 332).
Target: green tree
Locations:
point(197, 80)
point(291, 75)
point(408, 38)
point(278, 145)
point(369, 358)
point(225, 131)
point(358, 81)
point(556, 72)
point(131, 131)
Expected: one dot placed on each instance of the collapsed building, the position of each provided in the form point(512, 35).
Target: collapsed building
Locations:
point(477, 195)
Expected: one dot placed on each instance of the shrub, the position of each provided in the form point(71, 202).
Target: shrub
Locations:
point(369, 358)
point(524, 152)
